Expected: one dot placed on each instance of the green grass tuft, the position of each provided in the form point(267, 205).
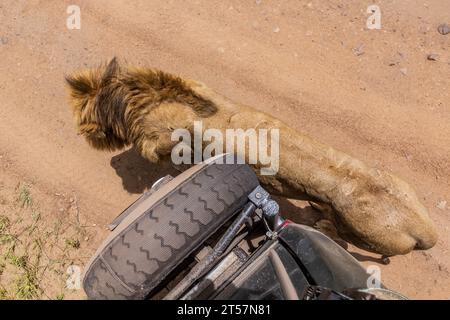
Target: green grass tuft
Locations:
point(27, 287)
point(3, 294)
point(60, 296)
point(73, 243)
point(25, 199)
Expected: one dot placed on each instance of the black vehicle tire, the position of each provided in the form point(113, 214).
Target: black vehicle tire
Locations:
point(165, 229)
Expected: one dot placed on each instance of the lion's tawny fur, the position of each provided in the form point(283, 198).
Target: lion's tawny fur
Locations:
point(119, 106)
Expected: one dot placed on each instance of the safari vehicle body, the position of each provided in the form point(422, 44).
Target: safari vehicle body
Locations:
point(213, 232)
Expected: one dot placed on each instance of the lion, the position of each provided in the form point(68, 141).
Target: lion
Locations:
point(118, 106)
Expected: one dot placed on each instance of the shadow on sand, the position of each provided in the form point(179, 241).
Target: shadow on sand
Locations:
point(137, 173)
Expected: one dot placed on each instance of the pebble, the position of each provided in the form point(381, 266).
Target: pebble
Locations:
point(441, 204)
point(258, 2)
point(395, 60)
point(276, 29)
point(359, 50)
point(404, 71)
point(444, 29)
point(433, 57)
point(3, 40)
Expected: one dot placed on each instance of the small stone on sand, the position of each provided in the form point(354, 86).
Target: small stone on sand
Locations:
point(433, 57)
point(441, 204)
point(444, 29)
point(359, 50)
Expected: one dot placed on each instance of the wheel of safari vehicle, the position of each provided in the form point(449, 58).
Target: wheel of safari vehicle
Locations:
point(164, 228)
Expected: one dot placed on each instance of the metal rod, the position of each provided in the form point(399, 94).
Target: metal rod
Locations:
point(286, 284)
point(227, 262)
point(199, 269)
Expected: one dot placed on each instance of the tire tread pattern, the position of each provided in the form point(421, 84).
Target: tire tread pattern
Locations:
point(147, 250)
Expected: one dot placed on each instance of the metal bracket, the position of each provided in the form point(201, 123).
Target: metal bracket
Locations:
point(270, 208)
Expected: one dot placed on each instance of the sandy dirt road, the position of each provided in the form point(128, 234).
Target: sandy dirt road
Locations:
point(371, 93)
